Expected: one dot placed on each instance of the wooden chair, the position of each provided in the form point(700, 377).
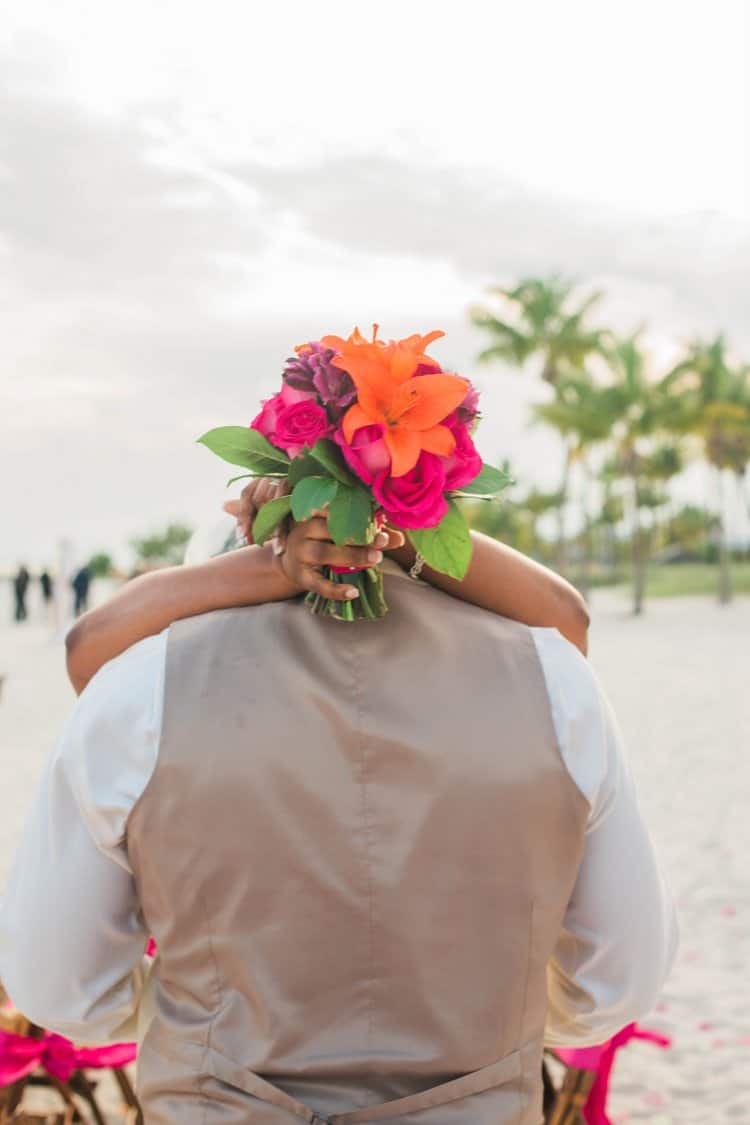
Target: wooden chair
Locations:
point(565, 1098)
point(73, 1096)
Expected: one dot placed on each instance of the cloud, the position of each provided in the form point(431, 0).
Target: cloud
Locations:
point(91, 212)
point(489, 227)
point(152, 293)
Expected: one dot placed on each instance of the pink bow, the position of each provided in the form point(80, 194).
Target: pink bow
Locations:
point(601, 1059)
point(20, 1054)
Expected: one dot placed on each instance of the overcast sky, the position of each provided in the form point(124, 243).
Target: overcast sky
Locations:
point(188, 190)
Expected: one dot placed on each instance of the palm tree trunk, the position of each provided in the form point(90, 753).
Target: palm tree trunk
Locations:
point(725, 573)
point(584, 583)
point(742, 498)
point(562, 552)
point(638, 548)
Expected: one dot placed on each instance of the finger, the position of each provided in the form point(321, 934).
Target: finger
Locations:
point(396, 539)
point(253, 496)
point(317, 528)
point(246, 520)
point(246, 513)
point(232, 507)
point(311, 579)
point(282, 535)
point(317, 552)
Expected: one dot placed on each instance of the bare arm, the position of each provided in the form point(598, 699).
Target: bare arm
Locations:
point(150, 603)
point(247, 576)
point(508, 583)
point(499, 579)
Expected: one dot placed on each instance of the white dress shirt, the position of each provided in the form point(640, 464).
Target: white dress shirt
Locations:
point(72, 935)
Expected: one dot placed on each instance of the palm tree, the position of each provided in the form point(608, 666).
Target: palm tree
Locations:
point(537, 504)
point(582, 414)
point(611, 514)
point(540, 317)
point(716, 393)
point(646, 415)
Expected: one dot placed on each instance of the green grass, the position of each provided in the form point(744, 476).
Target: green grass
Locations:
point(672, 580)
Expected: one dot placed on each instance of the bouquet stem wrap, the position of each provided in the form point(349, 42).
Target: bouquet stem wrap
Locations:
point(371, 604)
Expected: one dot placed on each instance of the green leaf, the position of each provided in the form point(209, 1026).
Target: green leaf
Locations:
point(239, 445)
point(269, 517)
point(350, 515)
point(304, 465)
point(447, 547)
point(490, 482)
point(312, 494)
point(330, 457)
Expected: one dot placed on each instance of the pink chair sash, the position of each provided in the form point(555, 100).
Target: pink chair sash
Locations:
point(601, 1059)
point(21, 1054)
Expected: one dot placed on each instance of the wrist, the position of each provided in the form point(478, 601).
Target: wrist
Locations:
point(404, 556)
point(248, 576)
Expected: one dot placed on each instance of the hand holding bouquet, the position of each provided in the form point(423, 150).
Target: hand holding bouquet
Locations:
point(369, 431)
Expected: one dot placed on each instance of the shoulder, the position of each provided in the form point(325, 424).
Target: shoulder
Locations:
point(111, 741)
point(126, 691)
point(578, 710)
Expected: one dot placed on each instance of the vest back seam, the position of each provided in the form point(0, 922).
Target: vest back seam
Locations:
point(361, 742)
point(207, 1046)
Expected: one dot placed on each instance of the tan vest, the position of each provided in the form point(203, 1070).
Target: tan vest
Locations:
point(355, 855)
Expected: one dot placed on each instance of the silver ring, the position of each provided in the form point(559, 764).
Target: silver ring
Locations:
point(416, 568)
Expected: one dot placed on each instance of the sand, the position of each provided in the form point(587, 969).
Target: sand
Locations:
point(678, 678)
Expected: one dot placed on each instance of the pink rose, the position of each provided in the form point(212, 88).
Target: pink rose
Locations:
point(265, 421)
point(290, 395)
point(269, 420)
point(300, 425)
point(464, 463)
point(367, 454)
point(416, 498)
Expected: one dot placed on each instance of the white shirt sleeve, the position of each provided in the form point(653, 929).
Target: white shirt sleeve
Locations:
point(619, 935)
point(72, 936)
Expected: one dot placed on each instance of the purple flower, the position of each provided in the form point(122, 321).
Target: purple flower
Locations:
point(468, 411)
point(311, 370)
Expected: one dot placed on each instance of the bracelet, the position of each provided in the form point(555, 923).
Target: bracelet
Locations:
point(416, 569)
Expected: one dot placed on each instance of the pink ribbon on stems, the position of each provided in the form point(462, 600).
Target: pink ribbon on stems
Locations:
point(601, 1059)
point(21, 1054)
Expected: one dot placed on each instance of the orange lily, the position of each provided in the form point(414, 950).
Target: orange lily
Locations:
point(410, 408)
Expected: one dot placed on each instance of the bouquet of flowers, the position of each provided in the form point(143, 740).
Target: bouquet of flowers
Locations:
point(369, 431)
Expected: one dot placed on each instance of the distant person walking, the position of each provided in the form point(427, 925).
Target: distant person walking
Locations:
point(81, 583)
point(20, 586)
point(48, 594)
point(47, 585)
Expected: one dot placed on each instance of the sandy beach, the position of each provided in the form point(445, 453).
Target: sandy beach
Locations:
point(678, 680)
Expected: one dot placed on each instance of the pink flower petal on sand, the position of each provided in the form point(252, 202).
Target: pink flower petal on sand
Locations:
point(729, 911)
point(744, 1040)
point(705, 1025)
